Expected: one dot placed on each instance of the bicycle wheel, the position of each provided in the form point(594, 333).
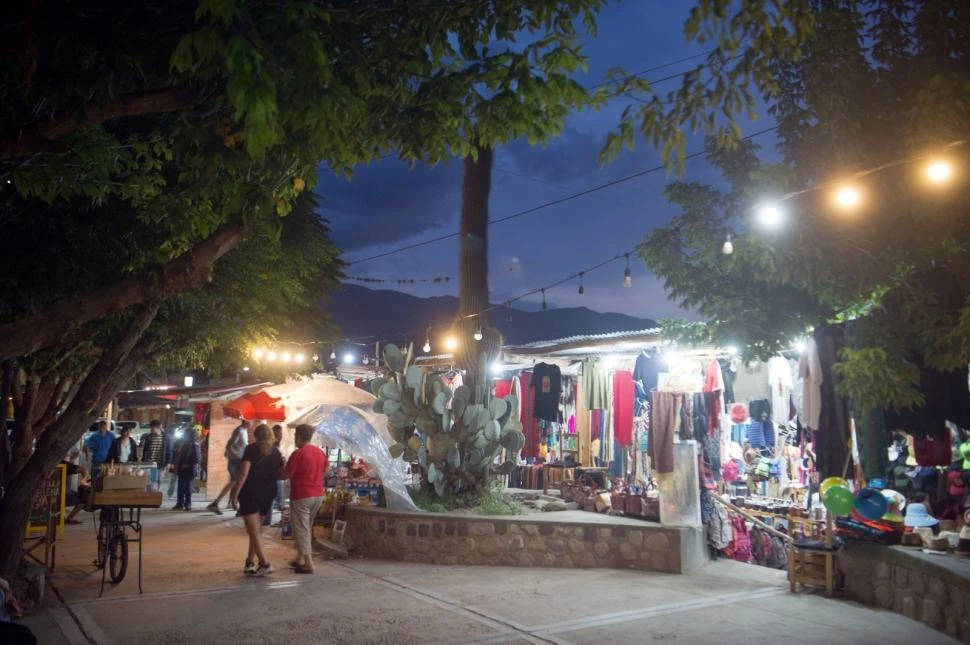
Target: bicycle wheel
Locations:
point(102, 546)
point(118, 556)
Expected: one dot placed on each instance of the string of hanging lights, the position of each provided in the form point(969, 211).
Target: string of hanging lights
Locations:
point(849, 194)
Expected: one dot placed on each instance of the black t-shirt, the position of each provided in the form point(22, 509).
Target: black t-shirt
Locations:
point(547, 382)
point(263, 471)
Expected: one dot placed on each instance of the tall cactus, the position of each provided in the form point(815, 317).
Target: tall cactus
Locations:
point(455, 438)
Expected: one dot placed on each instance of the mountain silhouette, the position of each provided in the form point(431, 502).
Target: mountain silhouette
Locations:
point(398, 317)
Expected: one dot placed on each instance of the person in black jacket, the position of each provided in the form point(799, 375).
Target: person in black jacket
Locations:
point(124, 448)
point(188, 455)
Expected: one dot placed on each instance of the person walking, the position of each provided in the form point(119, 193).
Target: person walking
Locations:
point(277, 441)
point(186, 464)
point(156, 448)
point(305, 469)
point(235, 448)
point(252, 494)
point(124, 449)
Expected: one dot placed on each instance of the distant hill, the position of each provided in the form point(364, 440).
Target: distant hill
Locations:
point(359, 312)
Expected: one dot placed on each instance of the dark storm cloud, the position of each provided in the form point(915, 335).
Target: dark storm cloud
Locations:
point(388, 201)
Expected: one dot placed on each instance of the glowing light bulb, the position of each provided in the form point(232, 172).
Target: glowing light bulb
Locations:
point(427, 346)
point(245, 368)
point(728, 247)
point(271, 356)
point(848, 197)
point(478, 335)
point(451, 343)
point(496, 368)
point(286, 357)
point(348, 358)
point(257, 353)
point(800, 345)
point(770, 217)
point(732, 350)
point(333, 356)
point(939, 172)
point(299, 358)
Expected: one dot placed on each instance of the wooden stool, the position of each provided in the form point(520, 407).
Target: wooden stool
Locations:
point(813, 566)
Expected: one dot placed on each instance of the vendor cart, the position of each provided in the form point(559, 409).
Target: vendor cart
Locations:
point(119, 524)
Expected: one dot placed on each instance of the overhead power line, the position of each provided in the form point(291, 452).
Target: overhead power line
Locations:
point(549, 204)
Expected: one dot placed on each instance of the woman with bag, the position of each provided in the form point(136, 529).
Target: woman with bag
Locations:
point(253, 493)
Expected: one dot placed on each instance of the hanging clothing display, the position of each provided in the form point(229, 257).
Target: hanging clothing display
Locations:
point(646, 373)
point(596, 384)
point(728, 372)
point(930, 452)
point(663, 423)
point(583, 427)
point(832, 434)
point(751, 381)
point(623, 395)
point(779, 378)
point(810, 373)
point(503, 387)
point(528, 420)
point(547, 383)
point(797, 394)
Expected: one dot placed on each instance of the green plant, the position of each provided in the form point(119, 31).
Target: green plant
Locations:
point(455, 441)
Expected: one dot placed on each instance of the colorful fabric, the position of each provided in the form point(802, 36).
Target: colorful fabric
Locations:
point(623, 394)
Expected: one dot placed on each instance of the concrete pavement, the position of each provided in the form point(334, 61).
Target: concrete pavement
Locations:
point(195, 593)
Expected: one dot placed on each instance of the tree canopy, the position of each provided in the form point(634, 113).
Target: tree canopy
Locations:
point(879, 91)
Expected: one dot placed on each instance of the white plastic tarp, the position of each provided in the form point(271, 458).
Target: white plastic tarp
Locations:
point(360, 433)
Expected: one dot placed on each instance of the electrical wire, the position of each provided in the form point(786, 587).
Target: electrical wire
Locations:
point(545, 205)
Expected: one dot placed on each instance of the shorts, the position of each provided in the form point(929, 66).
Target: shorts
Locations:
point(234, 469)
point(250, 504)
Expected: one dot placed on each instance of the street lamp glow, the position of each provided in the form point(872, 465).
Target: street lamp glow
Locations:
point(451, 343)
point(257, 353)
point(348, 359)
point(245, 368)
point(848, 197)
point(285, 357)
point(271, 356)
point(770, 217)
point(299, 358)
point(939, 172)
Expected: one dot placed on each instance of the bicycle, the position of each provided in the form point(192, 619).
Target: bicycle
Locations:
point(112, 544)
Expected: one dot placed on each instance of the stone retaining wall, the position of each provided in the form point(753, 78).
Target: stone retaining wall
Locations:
point(526, 542)
point(932, 589)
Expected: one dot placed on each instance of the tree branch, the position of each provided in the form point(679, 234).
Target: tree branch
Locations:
point(42, 136)
point(115, 367)
point(191, 270)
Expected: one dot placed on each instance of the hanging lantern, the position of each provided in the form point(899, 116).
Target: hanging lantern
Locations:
point(728, 247)
point(479, 334)
point(627, 276)
point(333, 356)
point(543, 299)
point(582, 289)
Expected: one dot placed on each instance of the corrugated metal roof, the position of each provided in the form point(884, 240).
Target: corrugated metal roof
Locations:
point(615, 335)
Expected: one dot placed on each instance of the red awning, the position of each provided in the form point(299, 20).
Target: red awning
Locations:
point(255, 406)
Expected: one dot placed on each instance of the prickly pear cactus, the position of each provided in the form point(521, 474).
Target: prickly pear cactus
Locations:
point(454, 438)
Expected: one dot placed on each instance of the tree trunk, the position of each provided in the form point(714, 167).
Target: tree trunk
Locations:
point(476, 356)
point(191, 270)
point(117, 366)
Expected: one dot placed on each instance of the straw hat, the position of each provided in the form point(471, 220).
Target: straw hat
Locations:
point(963, 543)
point(912, 539)
point(939, 545)
point(948, 525)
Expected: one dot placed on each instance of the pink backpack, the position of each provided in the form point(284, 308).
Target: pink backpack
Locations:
point(741, 544)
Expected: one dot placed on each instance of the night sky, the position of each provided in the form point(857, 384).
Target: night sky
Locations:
point(386, 205)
